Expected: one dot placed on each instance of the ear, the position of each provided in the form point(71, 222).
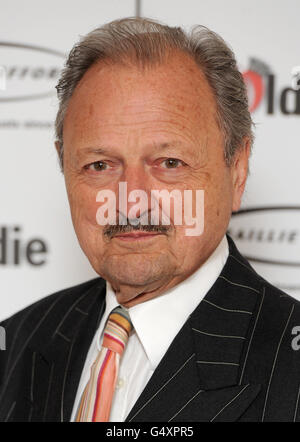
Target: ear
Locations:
point(239, 172)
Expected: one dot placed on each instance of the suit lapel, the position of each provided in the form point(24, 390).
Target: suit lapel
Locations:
point(57, 363)
point(200, 378)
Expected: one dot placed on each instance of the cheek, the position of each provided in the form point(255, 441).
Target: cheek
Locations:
point(219, 200)
point(83, 204)
point(189, 250)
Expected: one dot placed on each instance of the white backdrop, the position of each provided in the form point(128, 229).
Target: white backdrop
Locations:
point(39, 253)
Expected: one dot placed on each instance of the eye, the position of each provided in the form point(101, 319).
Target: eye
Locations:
point(172, 163)
point(97, 166)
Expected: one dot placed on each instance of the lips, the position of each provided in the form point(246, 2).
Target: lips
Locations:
point(133, 236)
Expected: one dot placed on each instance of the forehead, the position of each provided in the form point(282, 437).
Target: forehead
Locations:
point(117, 97)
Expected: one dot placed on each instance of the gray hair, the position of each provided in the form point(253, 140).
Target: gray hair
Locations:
point(143, 42)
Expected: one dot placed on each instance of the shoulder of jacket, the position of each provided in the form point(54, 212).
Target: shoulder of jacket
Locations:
point(69, 294)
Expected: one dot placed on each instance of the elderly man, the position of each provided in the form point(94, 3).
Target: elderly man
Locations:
point(178, 327)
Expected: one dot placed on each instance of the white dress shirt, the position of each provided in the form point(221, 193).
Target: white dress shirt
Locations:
point(156, 323)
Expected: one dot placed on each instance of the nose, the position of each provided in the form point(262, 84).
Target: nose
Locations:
point(134, 197)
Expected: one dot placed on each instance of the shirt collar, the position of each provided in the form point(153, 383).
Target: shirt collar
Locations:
point(158, 320)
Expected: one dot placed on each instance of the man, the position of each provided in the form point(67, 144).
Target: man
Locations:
point(151, 107)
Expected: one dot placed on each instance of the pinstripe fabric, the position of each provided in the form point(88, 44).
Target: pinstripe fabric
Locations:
point(97, 397)
point(233, 359)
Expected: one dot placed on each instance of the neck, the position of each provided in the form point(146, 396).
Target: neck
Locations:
point(129, 296)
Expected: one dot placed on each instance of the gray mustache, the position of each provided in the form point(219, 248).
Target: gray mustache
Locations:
point(134, 224)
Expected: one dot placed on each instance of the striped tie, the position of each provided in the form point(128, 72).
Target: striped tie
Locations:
point(97, 397)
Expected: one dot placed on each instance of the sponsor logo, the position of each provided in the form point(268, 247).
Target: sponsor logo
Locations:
point(296, 78)
point(262, 85)
point(15, 251)
point(28, 72)
point(2, 78)
point(270, 234)
point(269, 237)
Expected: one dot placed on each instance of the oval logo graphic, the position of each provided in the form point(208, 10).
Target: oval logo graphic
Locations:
point(30, 72)
point(268, 234)
point(269, 237)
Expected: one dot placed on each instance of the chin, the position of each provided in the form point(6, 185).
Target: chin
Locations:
point(134, 269)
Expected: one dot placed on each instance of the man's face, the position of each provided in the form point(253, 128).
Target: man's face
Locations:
point(153, 129)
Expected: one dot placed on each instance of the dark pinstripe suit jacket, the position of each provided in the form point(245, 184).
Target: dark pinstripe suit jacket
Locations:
point(233, 359)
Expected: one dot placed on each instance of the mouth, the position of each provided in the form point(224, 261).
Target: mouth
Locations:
point(137, 236)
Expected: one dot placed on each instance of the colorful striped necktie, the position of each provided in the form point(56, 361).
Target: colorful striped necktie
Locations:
point(97, 397)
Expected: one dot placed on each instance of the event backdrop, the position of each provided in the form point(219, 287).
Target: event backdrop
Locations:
point(39, 253)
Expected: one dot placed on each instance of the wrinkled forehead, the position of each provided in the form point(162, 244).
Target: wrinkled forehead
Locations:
point(113, 96)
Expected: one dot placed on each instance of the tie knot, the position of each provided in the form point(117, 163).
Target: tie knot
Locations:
point(117, 330)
